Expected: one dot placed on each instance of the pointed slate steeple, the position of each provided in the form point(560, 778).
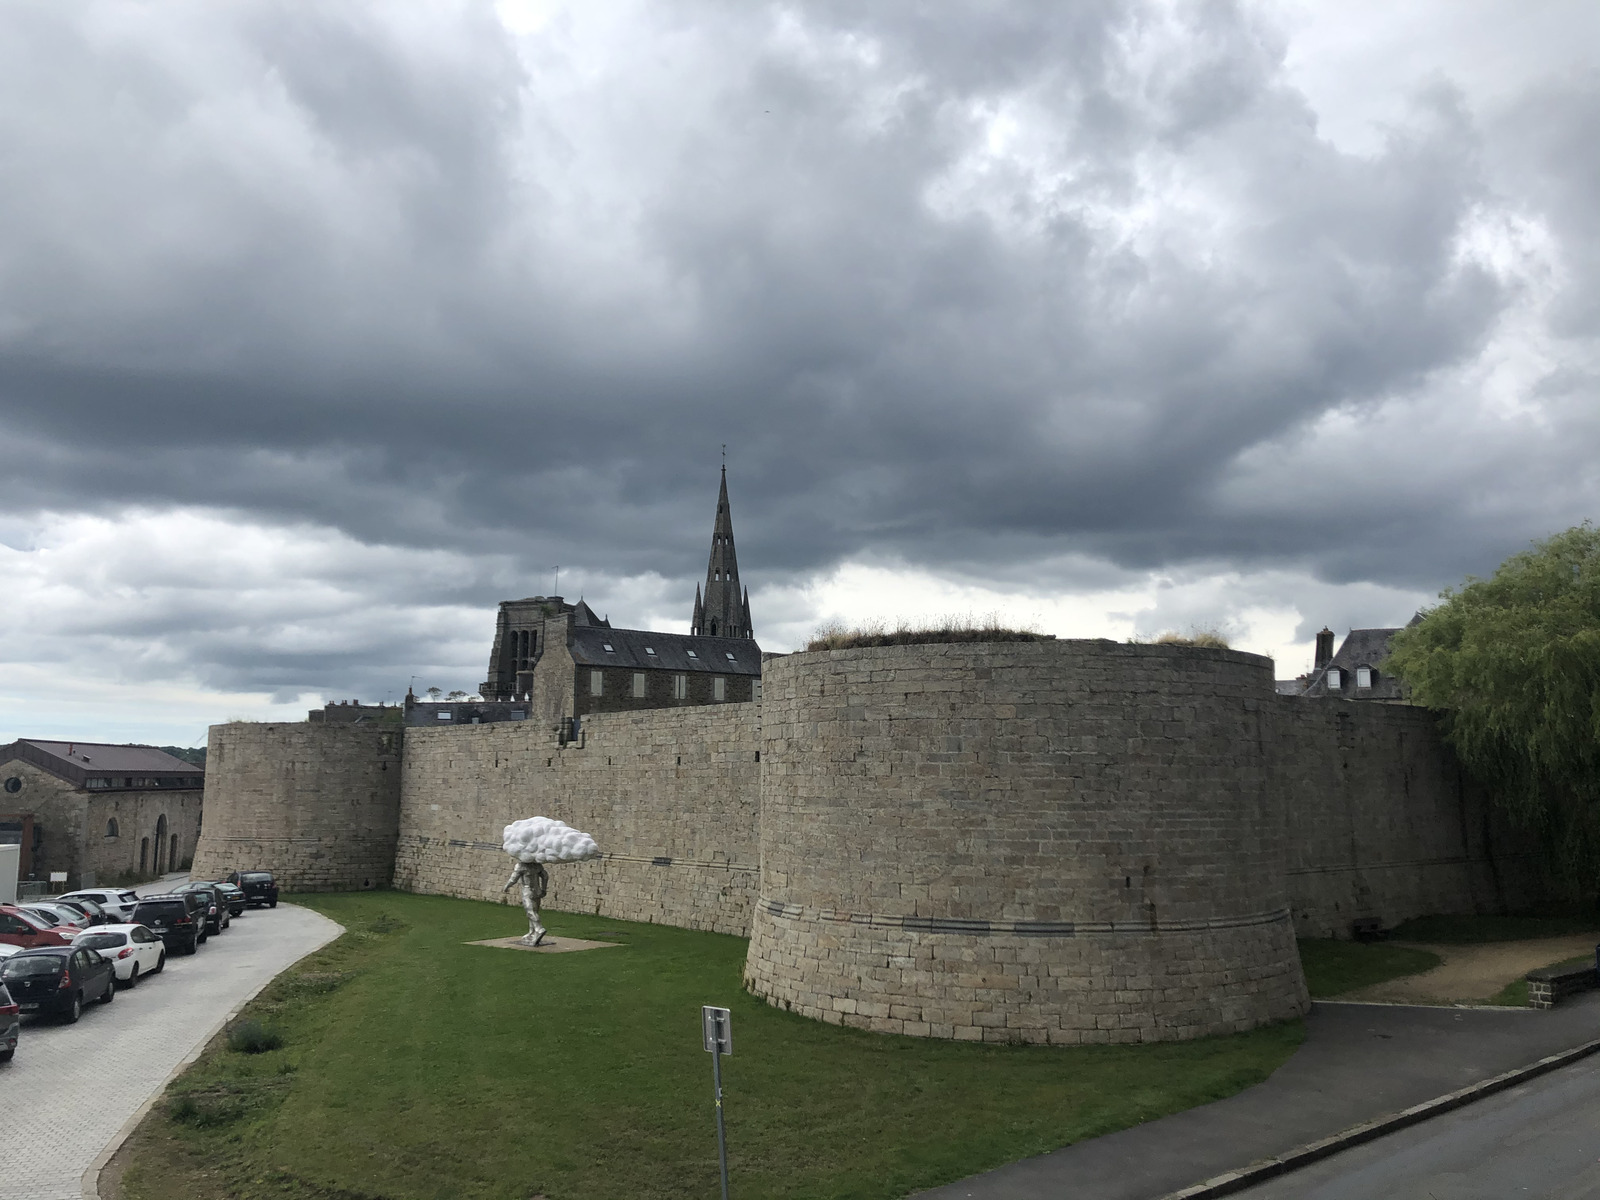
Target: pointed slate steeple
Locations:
point(725, 609)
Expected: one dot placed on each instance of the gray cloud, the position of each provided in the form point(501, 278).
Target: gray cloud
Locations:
point(981, 290)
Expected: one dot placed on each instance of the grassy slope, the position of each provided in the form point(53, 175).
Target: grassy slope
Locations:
point(1334, 967)
point(418, 1067)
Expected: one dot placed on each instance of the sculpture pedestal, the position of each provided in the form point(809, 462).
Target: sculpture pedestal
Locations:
point(551, 945)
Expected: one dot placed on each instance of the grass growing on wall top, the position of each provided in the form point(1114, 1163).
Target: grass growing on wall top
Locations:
point(415, 1067)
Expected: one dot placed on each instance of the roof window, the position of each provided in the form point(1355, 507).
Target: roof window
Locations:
point(731, 658)
point(610, 649)
point(692, 654)
point(650, 650)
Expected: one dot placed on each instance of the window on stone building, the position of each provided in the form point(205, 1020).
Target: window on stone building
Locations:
point(111, 827)
point(692, 654)
point(1363, 677)
point(610, 649)
point(650, 650)
point(638, 685)
point(597, 683)
point(680, 687)
point(755, 689)
point(1335, 679)
point(444, 714)
point(719, 688)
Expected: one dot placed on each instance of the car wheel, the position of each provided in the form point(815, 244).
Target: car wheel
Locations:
point(133, 976)
point(72, 1014)
point(161, 964)
point(272, 904)
point(8, 1055)
point(110, 994)
point(194, 945)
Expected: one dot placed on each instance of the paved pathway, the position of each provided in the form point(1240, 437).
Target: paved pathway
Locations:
point(71, 1088)
point(1359, 1062)
point(1537, 1139)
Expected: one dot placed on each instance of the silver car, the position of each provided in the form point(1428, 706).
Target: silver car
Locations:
point(118, 902)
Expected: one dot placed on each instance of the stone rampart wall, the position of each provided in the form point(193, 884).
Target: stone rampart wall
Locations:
point(1382, 822)
point(671, 796)
point(1062, 842)
point(318, 805)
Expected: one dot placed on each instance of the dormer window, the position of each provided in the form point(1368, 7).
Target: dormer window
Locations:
point(610, 649)
point(1363, 677)
point(1335, 679)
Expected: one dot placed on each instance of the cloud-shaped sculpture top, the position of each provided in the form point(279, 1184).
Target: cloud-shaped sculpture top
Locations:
point(546, 840)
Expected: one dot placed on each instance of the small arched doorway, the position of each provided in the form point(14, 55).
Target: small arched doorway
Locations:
point(161, 838)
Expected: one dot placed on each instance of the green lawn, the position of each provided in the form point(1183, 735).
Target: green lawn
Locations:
point(418, 1068)
point(1334, 967)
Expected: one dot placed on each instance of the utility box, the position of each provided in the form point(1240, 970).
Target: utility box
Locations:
point(10, 868)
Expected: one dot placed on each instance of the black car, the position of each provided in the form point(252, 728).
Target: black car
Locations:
point(58, 979)
point(217, 915)
point(232, 895)
point(10, 1025)
point(178, 919)
point(259, 887)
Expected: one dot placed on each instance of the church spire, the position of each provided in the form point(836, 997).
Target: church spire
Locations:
point(725, 610)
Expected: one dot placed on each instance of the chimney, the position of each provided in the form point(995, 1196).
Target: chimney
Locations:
point(1324, 649)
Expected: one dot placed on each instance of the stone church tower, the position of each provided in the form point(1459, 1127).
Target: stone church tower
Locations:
point(725, 611)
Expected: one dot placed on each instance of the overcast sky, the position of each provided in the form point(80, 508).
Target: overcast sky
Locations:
point(323, 328)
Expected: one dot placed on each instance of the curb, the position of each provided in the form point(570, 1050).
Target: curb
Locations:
point(1303, 1156)
point(91, 1177)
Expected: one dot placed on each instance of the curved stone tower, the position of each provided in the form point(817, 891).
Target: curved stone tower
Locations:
point(1057, 841)
point(319, 805)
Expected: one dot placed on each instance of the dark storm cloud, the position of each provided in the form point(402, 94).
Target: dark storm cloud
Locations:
point(973, 288)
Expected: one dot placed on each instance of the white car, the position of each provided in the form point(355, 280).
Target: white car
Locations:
point(133, 950)
point(7, 950)
point(118, 902)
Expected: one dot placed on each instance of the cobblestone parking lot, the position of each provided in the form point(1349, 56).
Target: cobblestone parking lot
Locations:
point(71, 1088)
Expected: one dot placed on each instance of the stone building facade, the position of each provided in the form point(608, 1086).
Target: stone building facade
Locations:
point(1056, 841)
point(100, 811)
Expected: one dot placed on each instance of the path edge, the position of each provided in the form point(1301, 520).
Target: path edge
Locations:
point(91, 1177)
point(1230, 1182)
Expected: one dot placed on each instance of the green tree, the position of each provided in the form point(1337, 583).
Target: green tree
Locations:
point(1513, 664)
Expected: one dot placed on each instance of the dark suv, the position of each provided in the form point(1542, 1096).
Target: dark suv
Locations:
point(178, 919)
point(259, 887)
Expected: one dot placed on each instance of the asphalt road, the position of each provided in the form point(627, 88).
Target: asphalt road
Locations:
point(71, 1088)
point(1541, 1139)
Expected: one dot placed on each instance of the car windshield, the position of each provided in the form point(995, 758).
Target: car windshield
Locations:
point(103, 941)
point(24, 965)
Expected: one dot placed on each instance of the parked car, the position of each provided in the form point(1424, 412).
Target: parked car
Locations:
point(218, 917)
point(59, 979)
point(63, 919)
point(10, 1025)
point(23, 929)
point(118, 902)
point(91, 912)
point(259, 887)
point(233, 894)
point(133, 950)
point(179, 920)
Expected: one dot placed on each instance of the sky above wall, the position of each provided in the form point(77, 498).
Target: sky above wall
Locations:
point(323, 328)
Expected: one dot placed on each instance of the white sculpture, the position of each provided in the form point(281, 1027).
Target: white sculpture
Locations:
point(534, 842)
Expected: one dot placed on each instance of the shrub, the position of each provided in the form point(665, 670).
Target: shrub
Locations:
point(252, 1037)
point(1210, 639)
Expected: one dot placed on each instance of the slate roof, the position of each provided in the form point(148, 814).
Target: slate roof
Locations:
point(673, 651)
point(78, 761)
point(1361, 648)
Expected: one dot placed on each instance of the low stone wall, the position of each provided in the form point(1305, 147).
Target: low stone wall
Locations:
point(1062, 842)
point(671, 796)
point(1549, 986)
point(318, 805)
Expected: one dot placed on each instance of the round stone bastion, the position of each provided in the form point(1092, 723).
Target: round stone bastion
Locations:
point(1052, 841)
